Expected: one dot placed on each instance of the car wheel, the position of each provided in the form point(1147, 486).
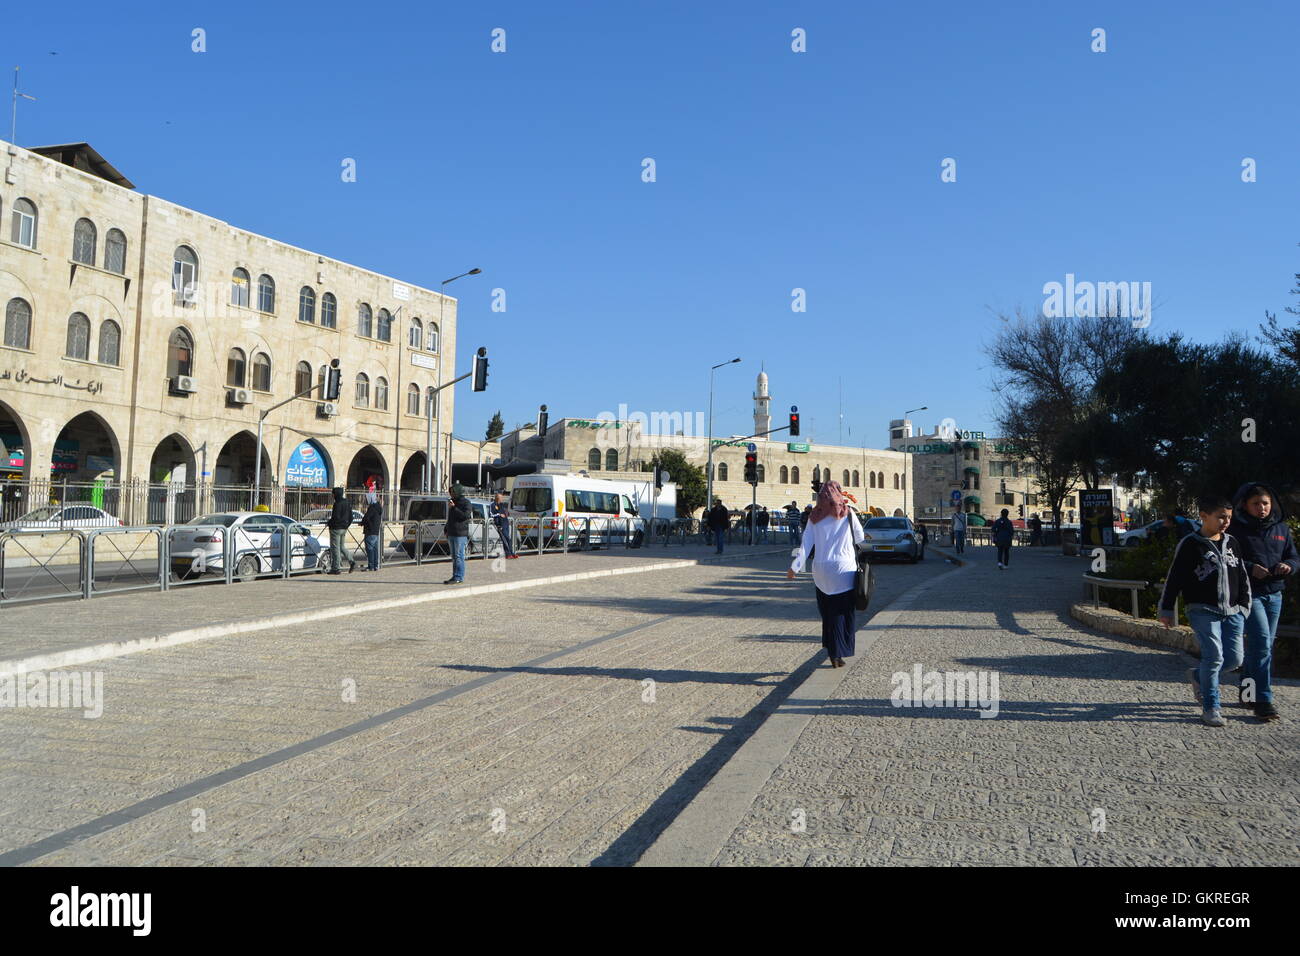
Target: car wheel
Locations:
point(247, 568)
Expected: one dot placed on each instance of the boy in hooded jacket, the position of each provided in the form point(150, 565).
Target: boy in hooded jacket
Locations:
point(1269, 553)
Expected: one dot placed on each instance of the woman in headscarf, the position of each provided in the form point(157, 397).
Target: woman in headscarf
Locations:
point(832, 535)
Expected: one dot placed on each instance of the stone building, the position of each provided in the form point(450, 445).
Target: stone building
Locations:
point(142, 340)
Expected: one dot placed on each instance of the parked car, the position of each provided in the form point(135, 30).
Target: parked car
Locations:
point(892, 538)
point(322, 515)
point(58, 517)
point(1135, 536)
point(434, 508)
point(200, 546)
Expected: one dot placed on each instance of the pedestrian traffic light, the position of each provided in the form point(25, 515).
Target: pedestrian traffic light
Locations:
point(480, 369)
point(817, 486)
point(542, 418)
point(751, 467)
point(333, 382)
point(794, 424)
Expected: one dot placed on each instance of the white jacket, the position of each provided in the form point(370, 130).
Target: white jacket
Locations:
point(835, 559)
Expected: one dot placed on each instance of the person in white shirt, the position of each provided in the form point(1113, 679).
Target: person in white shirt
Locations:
point(959, 531)
point(832, 533)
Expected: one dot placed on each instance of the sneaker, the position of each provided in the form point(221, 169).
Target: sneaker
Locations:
point(451, 581)
point(1265, 710)
point(352, 568)
point(999, 565)
point(1212, 718)
point(1195, 678)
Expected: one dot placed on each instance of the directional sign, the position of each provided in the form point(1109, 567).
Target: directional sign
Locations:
point(751, 447)
point(956, 496)
point(794, 408)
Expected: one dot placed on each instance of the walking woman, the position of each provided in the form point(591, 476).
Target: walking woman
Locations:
point(832, 533)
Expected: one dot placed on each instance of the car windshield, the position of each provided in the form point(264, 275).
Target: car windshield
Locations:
point(224, 521)
point(888, 524)
point(40, 514)
point(426, 510)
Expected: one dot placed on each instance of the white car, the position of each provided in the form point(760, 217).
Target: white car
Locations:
point(322, 515)
point(199, 547)
point(59, 517)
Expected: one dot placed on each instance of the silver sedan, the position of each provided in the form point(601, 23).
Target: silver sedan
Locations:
point(892, 538)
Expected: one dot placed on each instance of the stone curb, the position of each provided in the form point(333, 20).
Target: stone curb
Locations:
point(110, 649)
point(702, 828)
point(1152, 632)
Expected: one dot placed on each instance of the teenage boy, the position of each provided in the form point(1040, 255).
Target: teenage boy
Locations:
point(1209, 574)
point(1259, 528)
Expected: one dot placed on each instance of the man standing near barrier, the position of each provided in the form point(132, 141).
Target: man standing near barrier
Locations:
point(719, 520)
point(340, 519)
point(959, 531)
point(501, 518)
point(458, 516)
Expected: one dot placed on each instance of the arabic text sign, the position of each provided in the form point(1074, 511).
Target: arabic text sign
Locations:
point(307, 467)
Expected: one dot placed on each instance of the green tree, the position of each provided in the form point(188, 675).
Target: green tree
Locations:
point(496, 427)
point(688, 478)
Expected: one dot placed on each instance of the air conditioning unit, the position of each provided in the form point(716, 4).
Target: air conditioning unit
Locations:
point(931, 509)
point(184, 384)
point(327, 409)
point(240, 396)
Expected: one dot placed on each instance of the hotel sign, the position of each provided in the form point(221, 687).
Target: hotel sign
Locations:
point(797, 446)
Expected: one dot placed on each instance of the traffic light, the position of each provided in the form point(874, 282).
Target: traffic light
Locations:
point(542, 417)
point(480, 369)
point(333, 382)
point(751, 467)
point(794, 424)
point(1022, 511)
point(817, 486)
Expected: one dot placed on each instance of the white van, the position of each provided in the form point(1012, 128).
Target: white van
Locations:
point(591, 511)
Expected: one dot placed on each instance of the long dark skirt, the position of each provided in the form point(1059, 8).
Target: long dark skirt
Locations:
point(838, 626)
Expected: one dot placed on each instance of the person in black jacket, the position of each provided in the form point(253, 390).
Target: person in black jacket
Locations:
point(1003, 531)
point(719, 521)
point(1260, 529)
point(1209, 572)
point(340, 520)
point(459, 512)
point(372, 527)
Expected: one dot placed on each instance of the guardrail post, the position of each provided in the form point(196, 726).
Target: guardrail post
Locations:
point(228, 554)
point(1134, 593)
point(87, 562)
point(164, 561)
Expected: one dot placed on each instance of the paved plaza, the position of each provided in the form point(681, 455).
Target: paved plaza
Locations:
point(676, 715)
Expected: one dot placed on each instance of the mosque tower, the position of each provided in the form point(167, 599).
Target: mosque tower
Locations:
point(762, 415)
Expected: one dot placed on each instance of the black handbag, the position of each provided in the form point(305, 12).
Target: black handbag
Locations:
point(864, 582)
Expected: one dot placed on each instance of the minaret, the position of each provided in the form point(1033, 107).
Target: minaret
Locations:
point(762, 418)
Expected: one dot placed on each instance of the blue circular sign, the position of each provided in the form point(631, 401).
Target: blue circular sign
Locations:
point(794, 408)
point(751, 447)
point(956, 495)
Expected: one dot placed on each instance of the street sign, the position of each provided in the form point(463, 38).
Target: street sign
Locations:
point(956, 496)
point(751, 447)
point(797, 446)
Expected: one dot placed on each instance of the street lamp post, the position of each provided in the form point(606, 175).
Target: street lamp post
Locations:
point(708, 494)
point(923, 408)
point(435, 470)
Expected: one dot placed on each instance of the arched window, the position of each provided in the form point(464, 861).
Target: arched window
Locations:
point(785, 475)
point(817, 473)
point(722, 471)
point(110, 342)
point(431, 402)
point(431, 340)
point(329, 311)
point(880, 479)
point(307, 304)
point(22, 228)
point(593, 460)
point(185, 274)
point(363, 390)
point(180, 354)
point(320, 380)
point(855, 478)
point(381, 393)
point(302, 378)
point(78, 337)
point(262, 372)
point(265, 293)
point(412, 399)
point(83, 242)
point(236, 368)
point(115, 251)
point(794, 475)
point(902, 481)
point(17, 324)
point(415, 334)
point(762, 475)
point(363, 320)
point(384, 326)
point(871, 477)
point(611, 459)
point(239, 287)
point(895, 481)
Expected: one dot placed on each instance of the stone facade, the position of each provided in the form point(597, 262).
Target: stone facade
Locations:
point(86, 414)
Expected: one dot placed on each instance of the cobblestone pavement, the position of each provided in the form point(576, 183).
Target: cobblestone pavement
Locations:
point(64, 625)
point(517, 727)
point(1092, 731)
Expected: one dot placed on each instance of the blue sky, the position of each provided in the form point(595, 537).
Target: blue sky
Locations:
point(775, 171)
